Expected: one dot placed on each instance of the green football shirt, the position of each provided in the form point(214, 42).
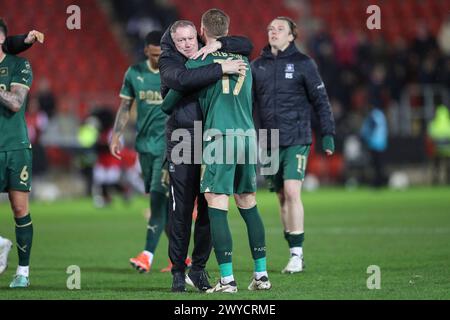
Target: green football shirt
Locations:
point(143, 84)
point(13, 128)
point(227, 104)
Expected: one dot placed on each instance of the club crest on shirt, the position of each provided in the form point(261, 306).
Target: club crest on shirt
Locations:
point(289, 68)
point(3, 72)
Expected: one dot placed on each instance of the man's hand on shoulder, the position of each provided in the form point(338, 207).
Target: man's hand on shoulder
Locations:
point(210, 48)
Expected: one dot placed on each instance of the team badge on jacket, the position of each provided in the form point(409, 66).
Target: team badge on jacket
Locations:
point(289, 67)
point(289, 71)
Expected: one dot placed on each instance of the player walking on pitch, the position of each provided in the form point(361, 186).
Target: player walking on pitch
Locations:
point(287, 89)
point(142, 84)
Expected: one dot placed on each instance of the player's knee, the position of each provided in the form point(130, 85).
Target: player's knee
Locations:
point(19, 209)
point(291, 194)
point(218, 201)
point(209, 198)
point(246, 201)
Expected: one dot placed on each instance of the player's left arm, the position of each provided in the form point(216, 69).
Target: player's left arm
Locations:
point(232, 44)
point(236, 44)
point(170, 101)
point(17, 44)
point(15, 98)
point(318, 97)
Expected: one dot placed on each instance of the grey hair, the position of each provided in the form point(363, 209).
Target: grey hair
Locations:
point(181, 24)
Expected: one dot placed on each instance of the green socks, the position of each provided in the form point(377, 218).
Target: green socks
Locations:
point(157, 222)
point(256, 237)
point(295, 240)
point(223, 244)
point(221, 239)
point(24, 239)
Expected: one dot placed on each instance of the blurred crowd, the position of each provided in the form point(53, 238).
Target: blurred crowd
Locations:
point(360, 72)
point(139, 17)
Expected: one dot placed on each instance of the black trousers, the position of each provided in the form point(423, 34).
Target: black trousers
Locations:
point(184, 190)
point(378, 163)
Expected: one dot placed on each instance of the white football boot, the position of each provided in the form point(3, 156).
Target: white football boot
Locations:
point(230, 287)
point(294, 265)
point(262, 284)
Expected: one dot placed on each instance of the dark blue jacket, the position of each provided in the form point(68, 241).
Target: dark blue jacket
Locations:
point(287, 89)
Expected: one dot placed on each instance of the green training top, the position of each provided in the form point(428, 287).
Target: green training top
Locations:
point(13, 128)
point(226, 104)
point(143, 84)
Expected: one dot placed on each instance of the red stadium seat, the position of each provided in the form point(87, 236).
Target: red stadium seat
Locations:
point(68, 56)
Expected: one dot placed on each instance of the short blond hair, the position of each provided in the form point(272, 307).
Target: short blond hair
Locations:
point(216, 23)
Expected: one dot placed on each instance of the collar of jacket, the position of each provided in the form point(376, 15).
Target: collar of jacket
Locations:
point(290, 50)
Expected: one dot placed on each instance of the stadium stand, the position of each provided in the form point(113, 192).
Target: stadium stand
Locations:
point(87, 63)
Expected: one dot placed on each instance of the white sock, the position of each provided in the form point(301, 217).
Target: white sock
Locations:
point(259, 275)
point(298, 251)
point(23, 271)
point(227, 279)
point(149, 255)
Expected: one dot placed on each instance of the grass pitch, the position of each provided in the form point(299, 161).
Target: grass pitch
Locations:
point(406, 234)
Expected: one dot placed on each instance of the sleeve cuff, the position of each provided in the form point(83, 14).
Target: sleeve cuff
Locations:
point(125, 97)
point(20, 84)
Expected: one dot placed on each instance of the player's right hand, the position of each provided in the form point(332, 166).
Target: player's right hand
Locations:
point(230, 66)
point(115, 147)
point(328, 144)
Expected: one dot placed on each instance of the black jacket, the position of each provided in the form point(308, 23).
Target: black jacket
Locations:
point(174, 75)
point(287, 89)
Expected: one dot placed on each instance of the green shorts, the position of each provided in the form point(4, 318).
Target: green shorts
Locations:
point(15, 170)
point(156, 178)
point(292, 166)
point(235, 175)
